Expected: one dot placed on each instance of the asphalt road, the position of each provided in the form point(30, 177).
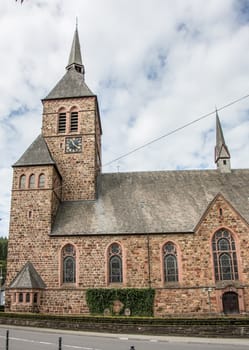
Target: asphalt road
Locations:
point(21, 338)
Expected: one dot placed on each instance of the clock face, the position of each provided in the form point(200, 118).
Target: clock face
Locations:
point(73, 144)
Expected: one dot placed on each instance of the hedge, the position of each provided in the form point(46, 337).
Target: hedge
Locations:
point(132, 301)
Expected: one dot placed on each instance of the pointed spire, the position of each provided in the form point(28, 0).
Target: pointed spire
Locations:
point(75, 60)
point(73, 83)
point(219, 133)
point(222, 155)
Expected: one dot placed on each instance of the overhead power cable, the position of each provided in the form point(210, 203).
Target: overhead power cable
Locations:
point(176, 130)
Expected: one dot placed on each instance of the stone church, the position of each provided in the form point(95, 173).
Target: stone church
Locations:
point(184, 233)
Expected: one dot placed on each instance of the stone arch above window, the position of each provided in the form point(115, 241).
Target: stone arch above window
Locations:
point(170, 262)
point(74, 119)
point(41, 181)
point(115, 268)
point(224, 256)
point(22, 181)
point(68, 264)
point(32, 181)
point(62, 120)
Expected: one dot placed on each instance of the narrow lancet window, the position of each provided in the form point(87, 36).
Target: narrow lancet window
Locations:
point(68, 263)
point(41, 182)
point(170, 262)
point(22, 183)
point(115, 263)
point(32, 181)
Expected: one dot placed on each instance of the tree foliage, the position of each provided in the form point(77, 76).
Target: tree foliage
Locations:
point(3, 258)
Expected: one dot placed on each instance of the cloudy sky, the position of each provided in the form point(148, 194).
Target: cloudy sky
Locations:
point(155, 65)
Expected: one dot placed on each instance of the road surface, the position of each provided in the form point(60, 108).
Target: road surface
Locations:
point(21, 338)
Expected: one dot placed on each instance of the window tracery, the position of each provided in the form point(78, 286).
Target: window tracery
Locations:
point(115, 263)
point(69, 264)
point(224, 256)
point(170, 263)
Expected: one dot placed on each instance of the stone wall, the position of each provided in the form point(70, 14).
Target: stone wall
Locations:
point(220, 328)
point(142, 257)
point(78, 170)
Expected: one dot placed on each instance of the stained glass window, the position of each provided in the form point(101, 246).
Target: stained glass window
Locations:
point(224, 256)
point(115, 263)
point(69, 268)
point(170, 262)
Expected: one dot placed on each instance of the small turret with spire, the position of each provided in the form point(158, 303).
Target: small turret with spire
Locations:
point(222, 155)
point(75, 60)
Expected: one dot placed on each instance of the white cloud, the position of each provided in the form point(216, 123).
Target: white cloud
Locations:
point(155, 65)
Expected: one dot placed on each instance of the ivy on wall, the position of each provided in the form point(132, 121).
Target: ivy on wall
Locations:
point(129, 301)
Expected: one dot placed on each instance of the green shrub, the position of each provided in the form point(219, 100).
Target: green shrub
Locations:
point(139, 301)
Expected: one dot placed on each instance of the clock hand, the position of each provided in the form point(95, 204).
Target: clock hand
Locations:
point(75, 144)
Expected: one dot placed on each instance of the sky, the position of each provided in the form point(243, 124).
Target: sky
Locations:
point(155, 65)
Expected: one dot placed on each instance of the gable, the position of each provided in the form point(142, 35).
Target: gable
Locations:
point(220, 212)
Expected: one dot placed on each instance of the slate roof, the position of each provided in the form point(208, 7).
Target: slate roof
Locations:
point(221, 149)
point(75, 53)
point(37, 154)
point(28, 278)
point(152, 202)
point(71, 85)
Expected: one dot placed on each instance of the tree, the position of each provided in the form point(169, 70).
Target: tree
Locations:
point(3, 258)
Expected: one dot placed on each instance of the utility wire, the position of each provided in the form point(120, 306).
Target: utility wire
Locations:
point(177, 129)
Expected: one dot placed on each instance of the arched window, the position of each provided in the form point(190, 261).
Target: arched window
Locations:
point(41, 181)
point(73, 121)
point(22, 182)
point(115, 263)
point(170, 262)
point(62, 121)
point(32, 181)
point(224, 256)
point(68, 263)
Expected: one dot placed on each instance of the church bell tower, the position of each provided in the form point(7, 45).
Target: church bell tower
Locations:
point(71, 129)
